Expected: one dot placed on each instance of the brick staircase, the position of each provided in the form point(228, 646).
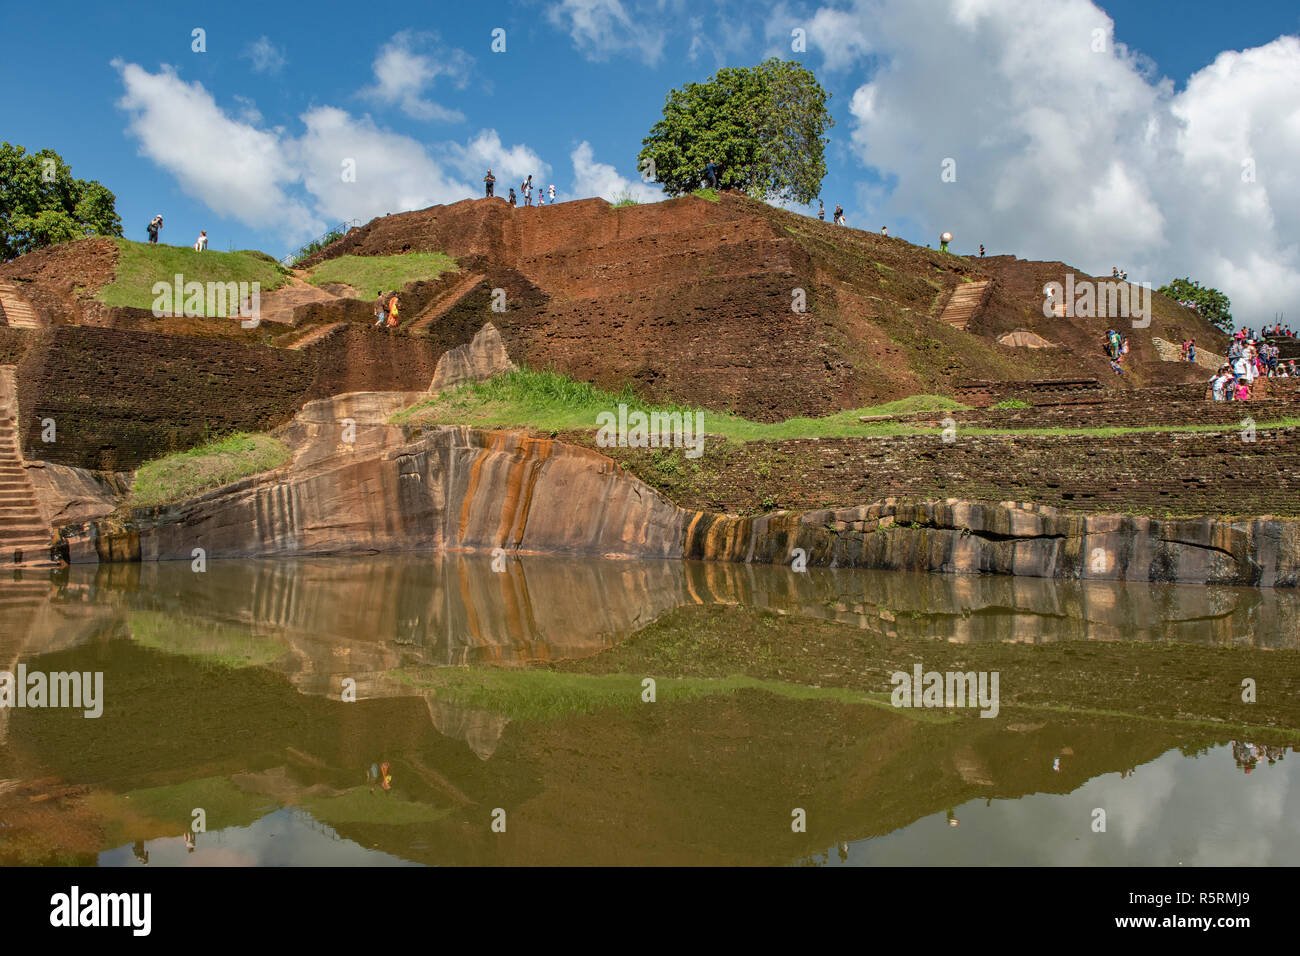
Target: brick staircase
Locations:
point(317, 334)
point(24, 536)
point(965, 303)
point(443, 304)
point(17, 311)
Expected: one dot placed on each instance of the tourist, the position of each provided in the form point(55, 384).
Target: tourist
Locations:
point(550, 193)
point(1219, 385)
point(1191, 350)
point(381, 308)
point(884, 231)
point(839, 215)
point(1116, 367)
point(392, 312)
point(512, 197)
point(201, 242)
point(488, 182)
point(981, 250)
point(711, 174)
point(821, 211)
point(155, 224)
point(386, 778)
point(1243, 390)
point(527, 190)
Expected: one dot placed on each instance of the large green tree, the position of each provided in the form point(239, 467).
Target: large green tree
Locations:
point(41, 203)
point(763, 126)
point(1211, 304)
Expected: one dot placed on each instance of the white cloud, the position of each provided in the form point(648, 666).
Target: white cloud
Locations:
point(394, 173)
point(1065, 153)
point(266, 56)
point(602, 28)
point(339, 167)
point(591, 178)
point(840, 36)
point(407, 65)
point(510, 165)
point(233, 167)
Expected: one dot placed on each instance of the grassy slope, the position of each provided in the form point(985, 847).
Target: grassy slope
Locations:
point(552, 402)
point(548, 401)
point(368, 274)
point(140, 265)
point(188, 473)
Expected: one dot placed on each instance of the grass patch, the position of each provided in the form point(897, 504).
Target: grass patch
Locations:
point(534, 694)
point(706, 193)
point(361, 806)
point(625, 198)
point(368, 274)
point(549, 401)
point(1012, 403)
point(229, 646)
point(140, 265)
point(218, 463)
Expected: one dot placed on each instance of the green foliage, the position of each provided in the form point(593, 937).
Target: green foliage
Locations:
point(549, 401)
point(625, 198)
point(369, 274)
point(763, 126)
point(188, 473)
point(316, 245)
point(1211, 304)
point(42, 204)
point(1012, 403)
point(141, 264)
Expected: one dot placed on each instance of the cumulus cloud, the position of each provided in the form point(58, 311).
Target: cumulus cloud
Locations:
point(266, 56)
point(407, 66)
point(841, 37)
point(510, 165)
point(231, 166)
point(338, 167)
point(591, 178)
point(602, 28)
point(1068, 147)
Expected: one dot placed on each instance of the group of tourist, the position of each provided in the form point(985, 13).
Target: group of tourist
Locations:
point(1116, 349)
point(1278, 331)
point(1117, 273)
point(525, 189)
point(386, 310)
point(1189, 350)
point(1247, 755)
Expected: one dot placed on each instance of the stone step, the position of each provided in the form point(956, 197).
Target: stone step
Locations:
point(318, 334)
point(18, 312)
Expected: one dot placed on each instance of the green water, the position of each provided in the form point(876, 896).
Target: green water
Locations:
point(510, 708)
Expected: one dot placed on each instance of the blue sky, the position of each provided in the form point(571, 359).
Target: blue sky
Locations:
point(1054, 143)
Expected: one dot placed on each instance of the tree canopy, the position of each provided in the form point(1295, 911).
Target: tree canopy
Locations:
point(1211, 304)
point(763, 127)
point(41, 203)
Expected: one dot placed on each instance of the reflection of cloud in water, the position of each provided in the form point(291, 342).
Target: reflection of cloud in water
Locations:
point(1173, 810)
point(288, 837)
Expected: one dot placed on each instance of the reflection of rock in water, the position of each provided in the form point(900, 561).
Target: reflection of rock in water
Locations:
point(479, 729)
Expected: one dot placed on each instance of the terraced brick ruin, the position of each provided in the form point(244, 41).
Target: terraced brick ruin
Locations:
point(731, 307)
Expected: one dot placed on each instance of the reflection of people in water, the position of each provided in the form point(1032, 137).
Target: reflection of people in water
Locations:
point(140, 852)
point(844, 851)
point(189, 841)
point(1247, 755)
point(952, 819)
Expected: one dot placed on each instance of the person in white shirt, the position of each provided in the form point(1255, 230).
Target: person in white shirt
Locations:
point(550, 193)
point(201, 242)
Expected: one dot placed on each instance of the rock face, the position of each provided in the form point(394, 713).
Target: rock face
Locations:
point(454, 489)
point(482, 358)
point(359, 485)
point(966, 537)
